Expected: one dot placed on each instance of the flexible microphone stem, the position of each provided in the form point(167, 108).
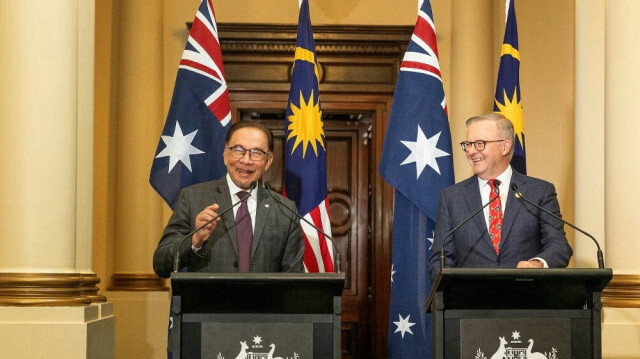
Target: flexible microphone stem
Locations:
point(444, 241)
point(336, 253)
point(176, 258)
point(519, 196)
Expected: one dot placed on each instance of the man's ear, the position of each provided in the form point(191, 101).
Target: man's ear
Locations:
point(269, 160)
point(507, 147)
point(224, 156)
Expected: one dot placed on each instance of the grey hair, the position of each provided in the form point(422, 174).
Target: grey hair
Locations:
point(505, 126)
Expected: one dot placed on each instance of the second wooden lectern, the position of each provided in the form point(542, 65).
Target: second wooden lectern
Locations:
point(517, 313)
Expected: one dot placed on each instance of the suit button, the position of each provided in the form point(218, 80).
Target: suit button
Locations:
point(235, 264)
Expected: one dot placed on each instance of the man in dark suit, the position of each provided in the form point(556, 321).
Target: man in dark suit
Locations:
point(509, 233)
point(276, 244)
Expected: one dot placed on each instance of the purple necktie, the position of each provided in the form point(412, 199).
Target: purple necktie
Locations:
point(244, 233)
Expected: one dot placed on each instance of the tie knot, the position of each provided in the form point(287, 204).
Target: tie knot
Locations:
point(242, 195)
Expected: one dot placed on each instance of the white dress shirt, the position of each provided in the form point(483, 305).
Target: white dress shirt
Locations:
point(252, 201)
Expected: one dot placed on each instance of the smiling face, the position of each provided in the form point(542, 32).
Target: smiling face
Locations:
point(494, 159)
point(243, 171)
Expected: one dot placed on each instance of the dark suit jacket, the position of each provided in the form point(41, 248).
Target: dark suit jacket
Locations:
point(526, 233)
point(277, 238)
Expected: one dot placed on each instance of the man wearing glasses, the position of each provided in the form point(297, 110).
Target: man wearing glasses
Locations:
point(256, 236)
point(508, 233)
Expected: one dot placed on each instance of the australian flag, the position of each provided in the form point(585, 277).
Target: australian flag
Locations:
point(191, 147)
point(305, 157)
point(507, 99)
point(417, 162)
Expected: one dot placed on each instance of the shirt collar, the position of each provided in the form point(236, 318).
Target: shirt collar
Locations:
point(233, 189)
point(504, 178)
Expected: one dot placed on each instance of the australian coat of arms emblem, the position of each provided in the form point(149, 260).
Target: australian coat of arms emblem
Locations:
point(517, 349)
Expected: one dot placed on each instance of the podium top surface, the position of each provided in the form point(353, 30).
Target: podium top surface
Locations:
point(598, 278)
point(257, 276)
point(518, 288)
point(291, 293)
point(182, 280)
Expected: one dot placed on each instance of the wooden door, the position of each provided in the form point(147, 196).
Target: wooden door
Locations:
point(348, 164)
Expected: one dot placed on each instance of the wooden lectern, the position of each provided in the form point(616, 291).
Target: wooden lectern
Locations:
point(256, 315)
point(517, 313)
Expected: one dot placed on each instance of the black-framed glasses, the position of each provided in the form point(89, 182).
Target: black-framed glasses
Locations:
point(256, 154)
point(479, 144)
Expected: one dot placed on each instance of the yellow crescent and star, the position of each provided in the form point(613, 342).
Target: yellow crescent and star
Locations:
point(512, 106)
point(305, 123)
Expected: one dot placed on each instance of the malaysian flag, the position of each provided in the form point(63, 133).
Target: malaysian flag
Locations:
point(507, 99)
point(417, 162)
point(305, 160)
point(192, 142)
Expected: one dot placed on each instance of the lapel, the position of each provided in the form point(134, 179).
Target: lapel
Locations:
point(224, 201)
point(265, 204)
point(513, 205)
point(474, 201)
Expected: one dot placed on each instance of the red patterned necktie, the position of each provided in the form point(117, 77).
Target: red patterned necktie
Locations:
point(244, 233)
point(495, 217)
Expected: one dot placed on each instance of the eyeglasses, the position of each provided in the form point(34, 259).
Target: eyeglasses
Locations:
point(256, 154)
point(479, 144)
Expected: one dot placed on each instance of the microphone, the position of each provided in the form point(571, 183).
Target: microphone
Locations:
point(176, 258)
point(496, 185)
point(336, 253)
point(519, 196)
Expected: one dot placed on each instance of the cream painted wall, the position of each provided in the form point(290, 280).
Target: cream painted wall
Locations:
point(546, 29)
point(547, 85)
point(353, 12)
point(106, 59)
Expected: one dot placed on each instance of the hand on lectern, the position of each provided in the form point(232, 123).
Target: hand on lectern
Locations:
point(534, 263)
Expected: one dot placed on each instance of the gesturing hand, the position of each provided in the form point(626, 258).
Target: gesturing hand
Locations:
point(198, 239)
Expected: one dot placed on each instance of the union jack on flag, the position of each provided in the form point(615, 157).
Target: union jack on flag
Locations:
point(305, 162)
point(191, 147)
point(422, 52)
point(416, 160)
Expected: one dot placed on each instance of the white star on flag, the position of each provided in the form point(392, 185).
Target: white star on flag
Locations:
point(179, 148)
point(404, 325)
point(424, 152)
point(430, 239)
point(392, 272)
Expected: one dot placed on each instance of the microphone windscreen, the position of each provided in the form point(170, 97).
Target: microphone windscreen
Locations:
point(253, 185)
point(267, 185)
point(496, 185)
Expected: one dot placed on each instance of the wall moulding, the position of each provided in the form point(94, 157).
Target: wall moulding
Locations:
point(622, 292)
point(137, 282)
point(42, 289)
point(352, 59)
